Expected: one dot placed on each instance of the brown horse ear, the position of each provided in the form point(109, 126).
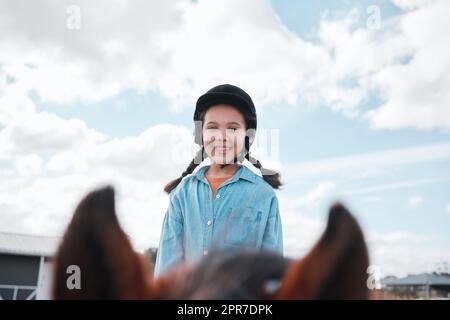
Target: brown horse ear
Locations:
point(95, 242)
point(336, 267)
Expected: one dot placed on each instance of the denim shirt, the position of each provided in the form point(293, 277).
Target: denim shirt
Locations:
point(243, 213)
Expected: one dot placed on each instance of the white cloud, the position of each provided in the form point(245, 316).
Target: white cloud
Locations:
point(243, 43)
point(14, 103)
point(102, 58)
point(29, 165)
point(409, 46)
point(421, 101)
point(299, 232)
point(412, 4)
point(401, 253)
point(403, 259)
point(394, 253)
point(179, 47)
point(46, 205)
point(24, 130)
point(318, 193)
point(42, 132)
point(43, 201)
point(414, 201)
point(327, 73)
point(159, 152)
point(394, 237)
point(448, 208)
point(370, 163)
point(182, 48)
point(51, 162)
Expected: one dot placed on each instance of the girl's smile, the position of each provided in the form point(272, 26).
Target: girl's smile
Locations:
point(221, 150)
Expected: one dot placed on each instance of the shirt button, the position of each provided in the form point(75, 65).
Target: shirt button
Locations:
point(205, 252)
point(218, 196)
point(209, 222)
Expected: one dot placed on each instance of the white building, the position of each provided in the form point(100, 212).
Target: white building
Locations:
point(25, 266)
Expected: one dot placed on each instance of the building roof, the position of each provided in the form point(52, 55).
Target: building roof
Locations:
point(25, 244)
point(419, 280)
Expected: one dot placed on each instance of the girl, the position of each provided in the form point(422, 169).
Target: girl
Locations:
point(225, 197)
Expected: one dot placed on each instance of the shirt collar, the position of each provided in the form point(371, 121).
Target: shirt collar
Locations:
point(246, 171)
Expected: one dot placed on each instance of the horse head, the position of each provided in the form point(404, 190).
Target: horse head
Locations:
point(335, 268)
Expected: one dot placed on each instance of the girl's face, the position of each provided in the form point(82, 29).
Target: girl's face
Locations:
point(223, 133)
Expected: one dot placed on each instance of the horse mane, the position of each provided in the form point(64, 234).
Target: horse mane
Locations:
point(239, 274)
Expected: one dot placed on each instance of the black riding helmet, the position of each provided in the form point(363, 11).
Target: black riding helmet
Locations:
point(225, 94)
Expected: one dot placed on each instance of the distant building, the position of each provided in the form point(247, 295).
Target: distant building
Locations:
point(25, 266)
point(420, 286)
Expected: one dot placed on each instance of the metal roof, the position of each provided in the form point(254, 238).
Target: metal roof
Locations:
point(25, 244)
point(419, 280)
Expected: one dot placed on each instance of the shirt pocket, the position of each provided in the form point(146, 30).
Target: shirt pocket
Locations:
point(242, 227)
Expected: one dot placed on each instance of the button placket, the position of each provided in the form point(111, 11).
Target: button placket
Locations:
point(209, 217)
point(207, 229)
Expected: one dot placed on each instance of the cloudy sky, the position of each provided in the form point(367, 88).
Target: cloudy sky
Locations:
point(352, 97)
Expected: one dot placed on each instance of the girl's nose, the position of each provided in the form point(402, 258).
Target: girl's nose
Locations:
point(222, 136)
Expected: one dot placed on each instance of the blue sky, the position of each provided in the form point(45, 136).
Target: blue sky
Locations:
point(312, 55)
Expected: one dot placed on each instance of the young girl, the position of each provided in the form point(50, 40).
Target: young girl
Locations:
point(224, 198)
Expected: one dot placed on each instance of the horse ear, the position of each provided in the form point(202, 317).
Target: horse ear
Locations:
point(336, 267)
point(95, 242)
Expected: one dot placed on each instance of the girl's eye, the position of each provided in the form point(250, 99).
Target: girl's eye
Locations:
point(233, 129)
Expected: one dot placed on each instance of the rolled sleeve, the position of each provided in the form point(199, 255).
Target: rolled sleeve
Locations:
point(171, 249)
point(273, 233)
